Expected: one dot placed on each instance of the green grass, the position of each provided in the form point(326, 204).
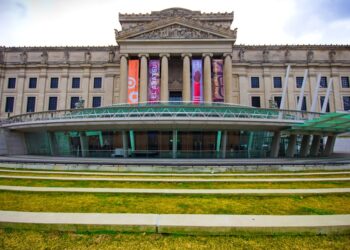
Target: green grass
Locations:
point(22, 239)
point(176, 204)
point(172, 185)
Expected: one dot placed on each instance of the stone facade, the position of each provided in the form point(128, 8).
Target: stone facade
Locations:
point(172, 34)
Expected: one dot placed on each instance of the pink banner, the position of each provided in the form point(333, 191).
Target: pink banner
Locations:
point(197, 83)
point(153, 86)
point(218, 80)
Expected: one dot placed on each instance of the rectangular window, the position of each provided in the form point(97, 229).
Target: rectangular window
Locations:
point(31, 104)
point(323, 83)
point(97, 82)
point(346, 102)
point(32, 82)
point(256, 101)
point(11, 84)
point(75, 82)
point(303, 106)
point(73, 101)
point(96, 101)
point(10, 100)
point(277, 82)
point(345, 82)
point(54, 83)
point(299, 81)
point(278, 100)
point(52, 103)
point(255, 82)
point(322, 101)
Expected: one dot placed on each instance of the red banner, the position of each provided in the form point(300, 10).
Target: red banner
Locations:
point(133, 82)
point(218, 81)
point(197, 83)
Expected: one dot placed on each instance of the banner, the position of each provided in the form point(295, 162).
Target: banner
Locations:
point(197, 83)
point(153, 86)
point(133, 82)
point(218, 81)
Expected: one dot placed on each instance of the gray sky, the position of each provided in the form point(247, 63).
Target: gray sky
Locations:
point(92, 22)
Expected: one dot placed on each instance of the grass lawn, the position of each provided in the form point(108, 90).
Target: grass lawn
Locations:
point(172, 185)
point(22, 239)
point(176, 204)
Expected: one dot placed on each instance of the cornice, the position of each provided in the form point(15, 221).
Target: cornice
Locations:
point(58, 48)
point(292, 46)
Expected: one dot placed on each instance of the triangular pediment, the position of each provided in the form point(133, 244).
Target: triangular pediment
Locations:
point(175, 28)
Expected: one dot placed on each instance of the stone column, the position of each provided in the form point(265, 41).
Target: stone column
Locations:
point(228, 78)
point(291, 145)
point(267, 87)
point(21, 103)
point(329, 145)
point(275, 147)
point(243, 89)
point(143, 78)
point(186, 78)
point(338, 101)
point(304, 150)
point(164, 84)
point(207, 78)
point(63, 102)
point(315, 145)
point(123, 90)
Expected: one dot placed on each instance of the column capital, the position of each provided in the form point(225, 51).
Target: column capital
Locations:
point(124, 55)
point(186, 54)
point(143, 55)
point(228, 54)
point(164, 54)
point(207, 54)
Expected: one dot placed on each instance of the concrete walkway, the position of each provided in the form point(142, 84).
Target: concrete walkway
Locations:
point(172, 179)
point(181, 223)
point(176, 191)
point(171, 174)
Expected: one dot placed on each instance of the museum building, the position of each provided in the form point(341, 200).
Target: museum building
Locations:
point(174, 86)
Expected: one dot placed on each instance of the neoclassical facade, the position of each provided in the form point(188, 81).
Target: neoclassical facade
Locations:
point(173, 56)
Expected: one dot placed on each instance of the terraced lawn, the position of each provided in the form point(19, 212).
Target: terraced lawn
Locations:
point(176, 204)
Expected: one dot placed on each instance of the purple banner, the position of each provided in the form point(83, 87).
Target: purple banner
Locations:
point(197, 83)
point(218, 81)
point(153, 86)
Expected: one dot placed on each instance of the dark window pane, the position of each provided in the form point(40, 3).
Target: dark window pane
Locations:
point(345, 82)
point(97, 82)
point(322, 101)
point(53, 103)
point(278, 100)
point(31, 104)
point(277, 82)
point(323, 83)
point(75, 82)
point(346, 102)
point(256, 101)
point(9, 104)
point(73, 101)
point(299, 81)
point(11, 83)
point(255, 82)
point(54, 82)
point(303, 106)
point(96, 101)
point(32, 82)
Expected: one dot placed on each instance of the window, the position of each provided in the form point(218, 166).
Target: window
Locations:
point(73, 101)
point(256, 101)
point(303, 106)
point(32, 82)
point(322, 101)
point(54, 82)
point(11, 83)
point(277, 82)
point(75, 82)
point(97, 82)
point(255, 82)
point(31, 104)
point(323, 83)
point(278, 100)
point(299, 81)
point(346, 102)
point(345, 82)
point(9, 104)
point(52, 103)
point(96, 101)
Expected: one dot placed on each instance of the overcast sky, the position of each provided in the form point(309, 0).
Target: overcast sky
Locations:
point(92, 22)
